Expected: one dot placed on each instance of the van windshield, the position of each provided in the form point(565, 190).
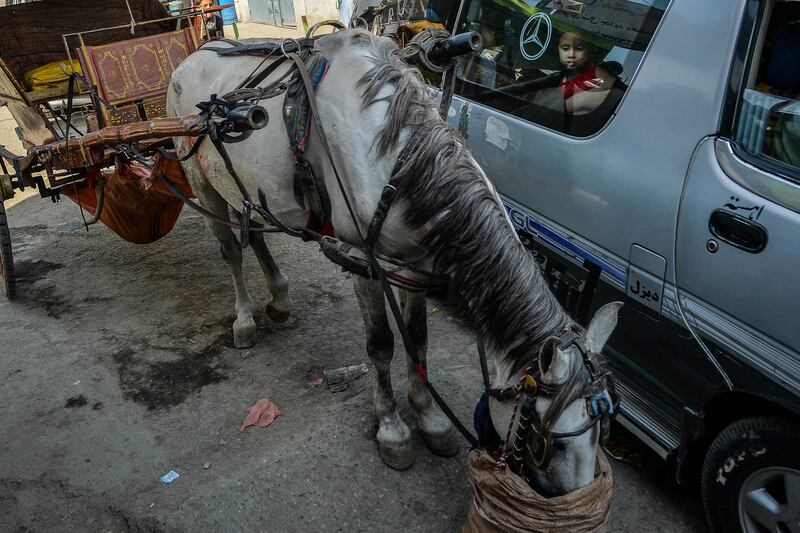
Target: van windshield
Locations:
point(563, 64)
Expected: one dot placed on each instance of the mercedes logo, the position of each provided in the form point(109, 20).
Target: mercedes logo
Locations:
point(535, 36)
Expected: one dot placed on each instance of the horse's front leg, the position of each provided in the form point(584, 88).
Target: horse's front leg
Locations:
point(394, 437)
point(280, 306)
point(439, 434)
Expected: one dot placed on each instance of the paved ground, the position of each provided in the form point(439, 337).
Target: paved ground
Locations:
point(117, 366)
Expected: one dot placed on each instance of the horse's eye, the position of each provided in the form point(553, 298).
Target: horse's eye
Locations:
point(560, 445)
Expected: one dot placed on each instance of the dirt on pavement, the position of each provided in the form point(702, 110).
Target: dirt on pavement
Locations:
point(117, 366)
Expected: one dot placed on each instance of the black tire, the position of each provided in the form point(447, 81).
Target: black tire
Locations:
point(7, 279)
point(757, 447)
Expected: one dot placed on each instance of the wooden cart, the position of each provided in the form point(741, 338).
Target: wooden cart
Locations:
point(80, 132)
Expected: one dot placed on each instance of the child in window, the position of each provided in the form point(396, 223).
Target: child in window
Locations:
point(211, 22)
point(587, 94)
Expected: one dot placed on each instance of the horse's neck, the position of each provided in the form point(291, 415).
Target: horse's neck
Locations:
point(509, 299)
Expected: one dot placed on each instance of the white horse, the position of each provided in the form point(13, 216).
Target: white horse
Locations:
point(446, 218)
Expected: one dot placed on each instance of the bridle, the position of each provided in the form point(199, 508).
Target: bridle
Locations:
point(533, 435)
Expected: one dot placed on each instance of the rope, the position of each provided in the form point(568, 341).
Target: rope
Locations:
point(133, 20)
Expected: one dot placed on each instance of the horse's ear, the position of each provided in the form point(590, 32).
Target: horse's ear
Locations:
point(553, 363)
point(601, 326)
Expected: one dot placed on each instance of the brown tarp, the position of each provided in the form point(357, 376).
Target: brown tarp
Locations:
point(504, 502)
point(138, 207)
point(31, 35)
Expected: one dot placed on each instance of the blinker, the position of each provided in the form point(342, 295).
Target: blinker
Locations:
point(539, 449)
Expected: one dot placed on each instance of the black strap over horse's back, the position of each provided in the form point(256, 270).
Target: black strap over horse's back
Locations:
point(297, 115)
point(266, 47)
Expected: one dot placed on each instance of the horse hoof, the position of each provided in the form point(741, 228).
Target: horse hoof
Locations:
point(277, 315)
point(446, 444)
point(244, 332)
point(397, 457)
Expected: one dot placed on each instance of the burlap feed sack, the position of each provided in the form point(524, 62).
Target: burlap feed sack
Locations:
point(503, 502)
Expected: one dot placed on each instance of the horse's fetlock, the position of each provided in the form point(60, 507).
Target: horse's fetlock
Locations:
point(281, 284)
point(382, 343)
point(419, 400)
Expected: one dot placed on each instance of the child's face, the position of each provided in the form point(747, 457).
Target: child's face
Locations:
point(573, 52)
point(205, 4)
point(488, 36)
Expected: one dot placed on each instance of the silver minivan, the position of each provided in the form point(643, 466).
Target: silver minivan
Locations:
point(650, 150)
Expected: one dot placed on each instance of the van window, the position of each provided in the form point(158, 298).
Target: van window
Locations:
point(768, 121)
point(563, 64)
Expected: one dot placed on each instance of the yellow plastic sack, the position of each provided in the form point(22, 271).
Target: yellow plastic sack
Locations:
point(50, 76)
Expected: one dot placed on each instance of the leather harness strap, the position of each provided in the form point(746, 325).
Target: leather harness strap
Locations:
point(390, 189)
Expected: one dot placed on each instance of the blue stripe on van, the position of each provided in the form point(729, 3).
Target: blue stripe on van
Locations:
point(528, 223)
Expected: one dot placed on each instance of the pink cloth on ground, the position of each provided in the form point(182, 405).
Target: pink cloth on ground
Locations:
point(261, 414)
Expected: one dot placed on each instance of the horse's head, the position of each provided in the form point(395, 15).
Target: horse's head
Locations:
point(565, 410)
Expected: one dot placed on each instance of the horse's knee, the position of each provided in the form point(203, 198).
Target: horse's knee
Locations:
point(380, 344)
point(415, 316)
point(231, 251)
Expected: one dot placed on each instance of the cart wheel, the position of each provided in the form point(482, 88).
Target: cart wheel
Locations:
point(7, 279)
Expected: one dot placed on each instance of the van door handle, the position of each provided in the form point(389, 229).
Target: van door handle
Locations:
point(738, 231)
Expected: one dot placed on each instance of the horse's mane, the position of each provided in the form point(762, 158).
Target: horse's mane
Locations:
point(468, 236)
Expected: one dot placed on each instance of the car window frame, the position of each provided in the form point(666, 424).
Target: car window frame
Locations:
point(462, 12)
point(744, 66)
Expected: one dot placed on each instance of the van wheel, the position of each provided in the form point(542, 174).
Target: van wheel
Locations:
point(751, 477)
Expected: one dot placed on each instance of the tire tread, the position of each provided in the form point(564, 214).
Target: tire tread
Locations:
point(732, 434)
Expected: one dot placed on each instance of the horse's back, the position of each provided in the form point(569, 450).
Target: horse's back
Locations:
point(264, 160)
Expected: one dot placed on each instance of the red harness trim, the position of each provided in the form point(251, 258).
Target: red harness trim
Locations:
point(421, 371)
point(326, 230)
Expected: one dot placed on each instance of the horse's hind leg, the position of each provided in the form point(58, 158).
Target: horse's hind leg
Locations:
point(279, 308)
point(244, 327)
point(439, 434)
point(394, 437)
